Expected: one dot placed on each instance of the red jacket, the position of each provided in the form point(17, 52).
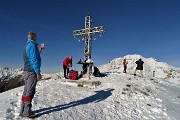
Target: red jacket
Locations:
point(67, 62)
point(125, 63)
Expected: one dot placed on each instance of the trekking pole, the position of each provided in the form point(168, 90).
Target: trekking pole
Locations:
point(75, 67)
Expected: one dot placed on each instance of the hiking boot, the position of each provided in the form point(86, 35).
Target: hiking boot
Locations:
point(32, 115)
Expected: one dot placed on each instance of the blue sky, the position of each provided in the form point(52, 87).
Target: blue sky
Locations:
point(150, 28)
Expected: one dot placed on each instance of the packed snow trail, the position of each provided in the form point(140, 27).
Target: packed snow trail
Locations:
point(170, 94)
point(119, 97)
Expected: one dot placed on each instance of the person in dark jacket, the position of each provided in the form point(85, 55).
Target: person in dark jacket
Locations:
point(32, 73)
point(66, 64)
point(139, 67)
point(96, 72)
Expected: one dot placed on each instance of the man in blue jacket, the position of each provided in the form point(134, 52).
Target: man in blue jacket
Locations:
point(32, 73)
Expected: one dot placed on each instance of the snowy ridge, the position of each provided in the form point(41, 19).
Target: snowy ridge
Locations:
point(7, 73)
point(162, 70)
point(118, 97)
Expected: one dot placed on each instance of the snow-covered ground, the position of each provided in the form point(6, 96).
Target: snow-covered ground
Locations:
point(118, 97)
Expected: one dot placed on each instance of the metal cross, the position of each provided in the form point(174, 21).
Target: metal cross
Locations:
point(87, 36)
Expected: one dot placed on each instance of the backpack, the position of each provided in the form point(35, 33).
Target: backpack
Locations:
point(73, 75)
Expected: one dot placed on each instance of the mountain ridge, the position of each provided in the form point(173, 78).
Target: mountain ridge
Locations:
point(162, 69)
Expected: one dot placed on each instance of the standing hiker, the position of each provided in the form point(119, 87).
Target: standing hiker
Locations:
point(125, 62)
point(32, 73)
point(139, 67)
point(66, 64)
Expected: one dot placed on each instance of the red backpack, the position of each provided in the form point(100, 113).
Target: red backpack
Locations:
point(73, 75)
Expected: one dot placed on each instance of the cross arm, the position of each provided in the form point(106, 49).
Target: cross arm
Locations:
point(78, 33)
point(94, 30)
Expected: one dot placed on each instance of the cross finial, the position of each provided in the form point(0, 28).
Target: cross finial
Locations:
point(88, 14)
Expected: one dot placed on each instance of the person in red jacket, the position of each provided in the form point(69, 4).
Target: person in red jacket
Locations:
point(125, 62)
point(66, 64)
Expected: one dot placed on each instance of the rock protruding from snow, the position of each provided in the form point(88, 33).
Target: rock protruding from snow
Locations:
point(162, 70)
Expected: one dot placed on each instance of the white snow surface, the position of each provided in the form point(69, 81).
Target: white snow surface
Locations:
point(119, 97)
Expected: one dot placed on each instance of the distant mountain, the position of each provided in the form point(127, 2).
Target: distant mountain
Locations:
point(7, 73)
point(162, 70)
point(10, 78)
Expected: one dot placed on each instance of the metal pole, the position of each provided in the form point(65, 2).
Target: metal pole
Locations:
point(88, 27)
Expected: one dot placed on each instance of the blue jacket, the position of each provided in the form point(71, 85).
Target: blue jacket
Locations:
point(32, 58)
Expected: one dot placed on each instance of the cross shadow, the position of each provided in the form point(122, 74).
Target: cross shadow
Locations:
point(98, 97)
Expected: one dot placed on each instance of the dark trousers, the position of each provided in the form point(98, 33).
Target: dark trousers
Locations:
point(84, 68)
point(66, 71)
point(125, 67)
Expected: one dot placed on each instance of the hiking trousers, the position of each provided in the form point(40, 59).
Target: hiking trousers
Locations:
point(141, 71)
point(125, 68)
point(66, 71)
point(28, 94)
